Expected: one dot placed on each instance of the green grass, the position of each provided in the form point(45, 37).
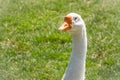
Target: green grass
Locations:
point(32, 48)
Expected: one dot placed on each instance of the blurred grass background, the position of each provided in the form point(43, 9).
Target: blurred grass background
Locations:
point(32, 48)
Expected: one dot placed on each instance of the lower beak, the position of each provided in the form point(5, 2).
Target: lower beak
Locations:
point(65, 26)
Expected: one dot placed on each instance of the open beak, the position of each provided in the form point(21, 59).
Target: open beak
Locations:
point(67, 25)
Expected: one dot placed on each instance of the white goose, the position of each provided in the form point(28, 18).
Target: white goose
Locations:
point(76, 68)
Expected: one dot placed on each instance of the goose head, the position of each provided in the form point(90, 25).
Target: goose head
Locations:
point(73, 23)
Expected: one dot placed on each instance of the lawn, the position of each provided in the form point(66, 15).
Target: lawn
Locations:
point(32, 48)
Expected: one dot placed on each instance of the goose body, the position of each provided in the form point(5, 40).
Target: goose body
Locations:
point(76, 67)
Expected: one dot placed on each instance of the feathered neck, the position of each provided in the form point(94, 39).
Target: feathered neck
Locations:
point(76, 67)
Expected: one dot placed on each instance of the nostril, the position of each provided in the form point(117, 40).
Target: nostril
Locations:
point(66, 24)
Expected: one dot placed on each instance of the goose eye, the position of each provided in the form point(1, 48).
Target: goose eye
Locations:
point(75, 19)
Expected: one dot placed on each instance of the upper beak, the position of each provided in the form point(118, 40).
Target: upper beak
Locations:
point(67, 25)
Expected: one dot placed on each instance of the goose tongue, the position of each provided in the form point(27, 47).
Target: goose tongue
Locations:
point(67, 25)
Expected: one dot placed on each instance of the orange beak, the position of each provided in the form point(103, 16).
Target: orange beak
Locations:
point(67, 25)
